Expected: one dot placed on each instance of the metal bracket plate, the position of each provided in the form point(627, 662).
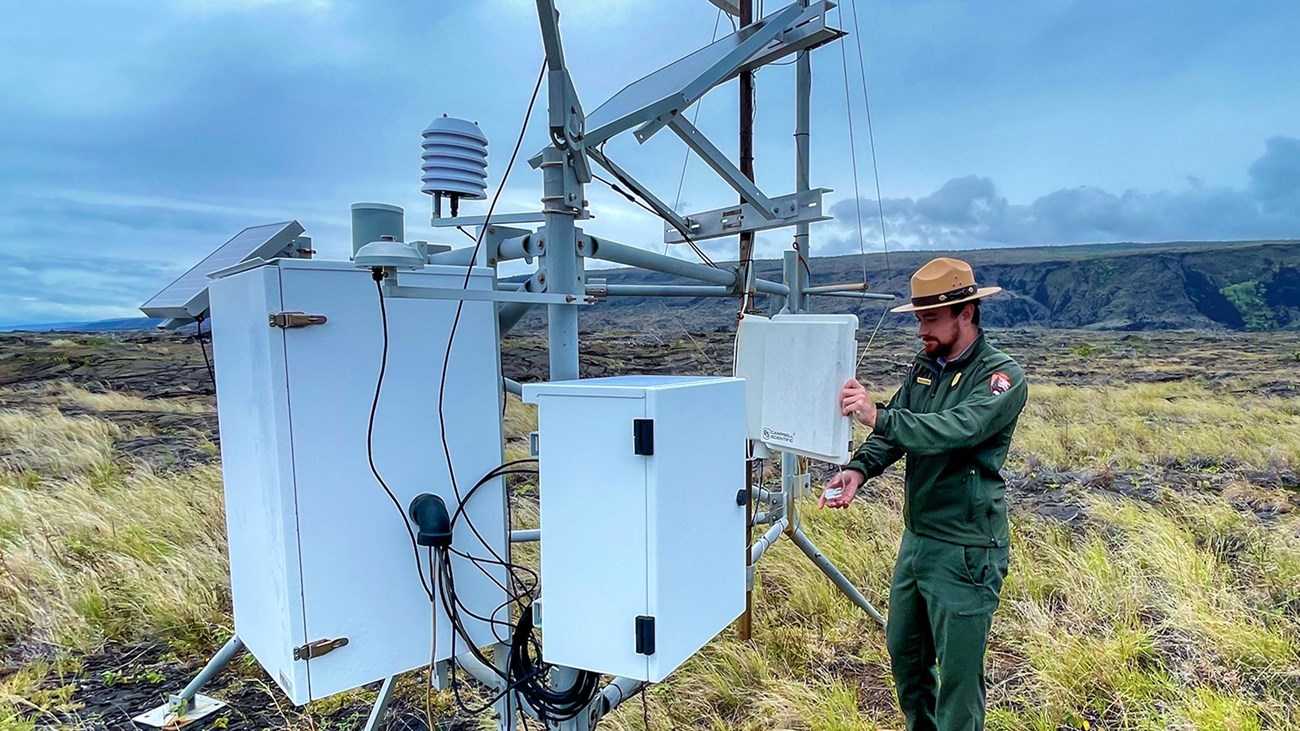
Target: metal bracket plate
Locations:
point(795, 208)
point(503, 218)
point(166, 717)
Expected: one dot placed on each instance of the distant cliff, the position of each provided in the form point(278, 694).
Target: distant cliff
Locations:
point(1231, 285)
point(1251, 285)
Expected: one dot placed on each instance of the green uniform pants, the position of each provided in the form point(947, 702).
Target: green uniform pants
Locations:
point(941, 603)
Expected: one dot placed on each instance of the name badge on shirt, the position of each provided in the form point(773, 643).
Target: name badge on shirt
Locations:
point(923, 381)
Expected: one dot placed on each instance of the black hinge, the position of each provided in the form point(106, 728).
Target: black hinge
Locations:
point(645, 635)
point(313, 650)
point(288, 320)
point(643, 436)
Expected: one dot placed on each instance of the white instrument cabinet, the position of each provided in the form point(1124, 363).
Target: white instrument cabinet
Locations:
point(323, 574)
point(643, 539)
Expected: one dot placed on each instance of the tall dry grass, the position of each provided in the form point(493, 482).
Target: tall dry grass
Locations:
point(1181, 613)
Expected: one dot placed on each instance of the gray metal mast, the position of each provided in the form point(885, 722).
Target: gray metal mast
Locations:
point(562, 201)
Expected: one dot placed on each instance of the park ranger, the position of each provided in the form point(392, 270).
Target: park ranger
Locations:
point(953, 418)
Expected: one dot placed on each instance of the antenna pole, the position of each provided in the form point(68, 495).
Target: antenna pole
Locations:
point(803, 97)
point(746, 141)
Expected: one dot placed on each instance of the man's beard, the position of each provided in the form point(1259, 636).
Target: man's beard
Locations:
point(941, 350)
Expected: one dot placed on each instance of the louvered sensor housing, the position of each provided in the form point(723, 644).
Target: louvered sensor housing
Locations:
point(455, 163)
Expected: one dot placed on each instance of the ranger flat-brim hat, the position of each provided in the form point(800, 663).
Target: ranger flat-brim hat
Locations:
point(942, 282)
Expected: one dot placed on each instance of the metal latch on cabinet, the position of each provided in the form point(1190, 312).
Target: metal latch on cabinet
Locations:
point(289, 320)
point(313, 650)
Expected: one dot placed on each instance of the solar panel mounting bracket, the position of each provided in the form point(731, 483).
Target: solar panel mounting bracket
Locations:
point(792, 209)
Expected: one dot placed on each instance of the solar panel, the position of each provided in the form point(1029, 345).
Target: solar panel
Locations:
point(683, 82)
point(187, 297)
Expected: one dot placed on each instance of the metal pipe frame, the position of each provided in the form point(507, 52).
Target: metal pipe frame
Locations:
point(661, 290)
point(875, 296)
point(184, 700)
point(510, 313)
point(613, 695)
point(551, 299)
point(662, 209)
point(718, 161)
point(612, 251)
point(835, 575)
point(769, 538)
point(507, 703)
point(850, 287)
point(376, 719)
point(513, 249)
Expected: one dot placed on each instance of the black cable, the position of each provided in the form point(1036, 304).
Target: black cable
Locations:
point(433, 653)
point(370, 437)
point(447, 583)
point(459, 630)
point(684, 233)
point(626, 195)
point(523, 667)
point(460, 306)
point(550, 704)
point(460, 508)
point(442, 423)
point(212, 374)
point(500, 471)
point(645, 707)
point(446, 580)
point(629, 196)
point(467, 233)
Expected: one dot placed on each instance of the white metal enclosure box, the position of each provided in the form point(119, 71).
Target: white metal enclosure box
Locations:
point(318, 552)
point(643, 542)
point(794, 367)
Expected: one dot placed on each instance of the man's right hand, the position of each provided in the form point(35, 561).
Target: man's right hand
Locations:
point(847, 482)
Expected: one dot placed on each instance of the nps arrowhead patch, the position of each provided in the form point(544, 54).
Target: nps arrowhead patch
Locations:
point(999, 383)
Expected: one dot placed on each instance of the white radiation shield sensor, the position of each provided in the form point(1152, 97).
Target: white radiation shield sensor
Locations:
point(794, 367)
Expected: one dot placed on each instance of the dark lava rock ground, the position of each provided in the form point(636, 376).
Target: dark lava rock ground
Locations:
point(119, 681)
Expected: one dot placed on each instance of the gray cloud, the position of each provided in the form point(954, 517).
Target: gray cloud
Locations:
point(969, 212)
point(1275, 177)
point(154, 131)
point(58, 286)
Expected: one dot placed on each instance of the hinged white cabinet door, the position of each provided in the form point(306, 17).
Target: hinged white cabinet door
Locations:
point(593, 514)
point(257, 472)
point(696, 528)
point(359, 569)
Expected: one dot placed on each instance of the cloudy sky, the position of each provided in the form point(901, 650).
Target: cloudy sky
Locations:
point(137, 136)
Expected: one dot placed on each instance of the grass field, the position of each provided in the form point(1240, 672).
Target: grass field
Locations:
point(1155, 576)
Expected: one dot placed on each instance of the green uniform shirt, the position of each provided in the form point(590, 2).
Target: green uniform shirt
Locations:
point(954, 422)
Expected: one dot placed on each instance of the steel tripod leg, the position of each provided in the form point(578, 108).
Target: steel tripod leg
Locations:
point(835, 575)
point(184, 700)
point(381, 704)
point(505, 706)
point(180, 708)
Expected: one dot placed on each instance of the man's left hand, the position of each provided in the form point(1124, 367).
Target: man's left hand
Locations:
point(857, 403)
